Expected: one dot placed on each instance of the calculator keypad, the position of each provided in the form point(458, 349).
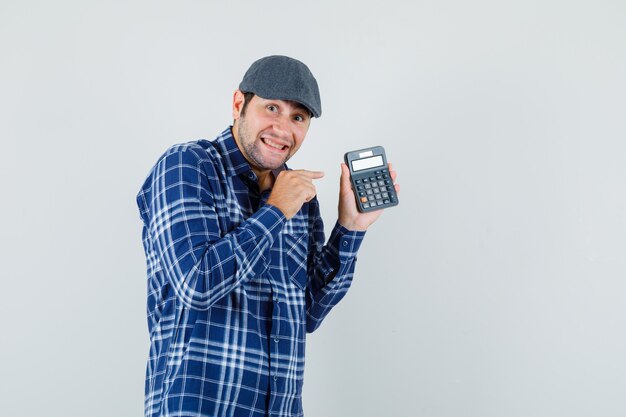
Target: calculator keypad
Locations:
point(376, 190)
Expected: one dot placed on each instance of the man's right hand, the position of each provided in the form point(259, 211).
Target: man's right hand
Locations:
point(292, 189)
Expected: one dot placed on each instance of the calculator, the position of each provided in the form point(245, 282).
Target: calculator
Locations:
point(370, 178)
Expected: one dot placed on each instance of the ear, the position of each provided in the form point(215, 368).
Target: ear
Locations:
point(238, 100)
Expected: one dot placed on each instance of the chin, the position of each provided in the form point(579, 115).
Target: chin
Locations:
point(274, 163)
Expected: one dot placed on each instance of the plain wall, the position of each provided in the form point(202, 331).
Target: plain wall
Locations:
point(497, 286)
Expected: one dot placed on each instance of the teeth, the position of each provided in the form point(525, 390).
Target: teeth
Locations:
point(273, 144)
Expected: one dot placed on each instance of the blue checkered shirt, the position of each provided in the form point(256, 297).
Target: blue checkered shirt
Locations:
point(233, 287)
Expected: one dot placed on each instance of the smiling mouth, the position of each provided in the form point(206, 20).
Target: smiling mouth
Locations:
point(274, 145)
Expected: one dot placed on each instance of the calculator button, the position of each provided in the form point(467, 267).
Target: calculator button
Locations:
point(368, 186)
point(363, 199)
point(385, 176)
point(384, 171)
point(379, 202)
point(386, 201)
point(361, 193)
point(379, 177)
point(373, 179)
point(358, 181)
point(359, 187)
point(366, 180)
point(385, 195)
point(366, 205)
point(370, 192)
point(387, 182)
point(381, 183)
point(376, 172)
point(377, 196)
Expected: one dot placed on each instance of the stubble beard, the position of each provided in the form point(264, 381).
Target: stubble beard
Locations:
point(252, 149)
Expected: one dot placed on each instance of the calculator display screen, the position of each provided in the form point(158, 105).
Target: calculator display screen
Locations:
point(361, 164)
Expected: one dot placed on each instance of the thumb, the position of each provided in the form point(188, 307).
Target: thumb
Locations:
point(345, 177)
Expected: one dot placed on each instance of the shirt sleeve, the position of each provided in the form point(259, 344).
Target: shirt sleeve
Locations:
point(330, 268)
point(202, 262)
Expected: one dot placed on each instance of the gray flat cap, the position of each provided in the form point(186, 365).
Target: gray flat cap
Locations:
point(282, 78)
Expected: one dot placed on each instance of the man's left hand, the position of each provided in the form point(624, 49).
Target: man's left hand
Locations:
point(349, 216)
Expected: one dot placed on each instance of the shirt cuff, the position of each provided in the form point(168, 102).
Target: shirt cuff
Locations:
point(345, 242)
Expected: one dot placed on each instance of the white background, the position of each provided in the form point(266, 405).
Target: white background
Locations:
point(496, 287)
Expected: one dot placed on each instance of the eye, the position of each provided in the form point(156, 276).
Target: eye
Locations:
point(298, 118)
point(272, 108)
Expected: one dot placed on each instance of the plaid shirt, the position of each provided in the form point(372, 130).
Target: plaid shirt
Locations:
point(233, 287)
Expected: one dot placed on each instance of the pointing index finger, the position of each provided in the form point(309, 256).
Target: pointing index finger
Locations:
point(311, 174)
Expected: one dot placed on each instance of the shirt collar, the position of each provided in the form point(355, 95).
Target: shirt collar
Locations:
point(235, 162)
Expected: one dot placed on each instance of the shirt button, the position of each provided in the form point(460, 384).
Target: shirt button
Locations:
point(275, 378)
point(345, 243)
point(276, 340)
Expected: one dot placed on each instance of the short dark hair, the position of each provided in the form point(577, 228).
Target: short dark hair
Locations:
point(246, 99)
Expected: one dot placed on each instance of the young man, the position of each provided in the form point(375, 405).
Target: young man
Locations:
point(238, 267)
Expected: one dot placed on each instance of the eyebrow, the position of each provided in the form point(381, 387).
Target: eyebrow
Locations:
point(300, 107)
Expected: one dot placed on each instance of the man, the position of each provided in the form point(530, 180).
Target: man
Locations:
point(238, 272)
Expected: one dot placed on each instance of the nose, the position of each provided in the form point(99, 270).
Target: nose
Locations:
point(281, 125)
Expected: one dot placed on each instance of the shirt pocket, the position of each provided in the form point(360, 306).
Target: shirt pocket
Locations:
point(296, 247)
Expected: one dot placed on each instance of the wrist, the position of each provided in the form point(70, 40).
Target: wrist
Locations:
point(352, 226)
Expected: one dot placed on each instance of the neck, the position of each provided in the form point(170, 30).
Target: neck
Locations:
point(265, 179)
